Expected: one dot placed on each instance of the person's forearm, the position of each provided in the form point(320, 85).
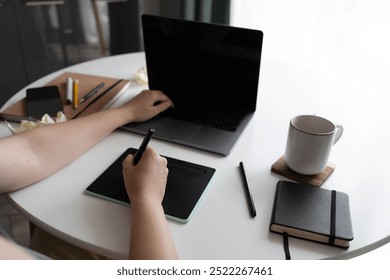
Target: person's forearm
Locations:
point(33, 155)
point(11, 251)
point(150, 236)
point(60, 144)
point(40, 152)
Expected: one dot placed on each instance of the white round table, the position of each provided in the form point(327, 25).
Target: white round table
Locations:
point(221, 227)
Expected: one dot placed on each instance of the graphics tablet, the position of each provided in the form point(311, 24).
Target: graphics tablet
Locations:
point(186, 185)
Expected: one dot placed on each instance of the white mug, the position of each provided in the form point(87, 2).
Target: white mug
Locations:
point(309, 143)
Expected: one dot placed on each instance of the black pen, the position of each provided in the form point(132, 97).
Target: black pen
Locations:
point(144, 144)
point(92, 92)
point(251, 205)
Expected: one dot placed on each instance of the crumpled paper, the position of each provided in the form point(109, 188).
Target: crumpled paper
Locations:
point(45, 120)
point(141, 76)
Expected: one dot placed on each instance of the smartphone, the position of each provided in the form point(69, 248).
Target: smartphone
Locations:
point(43, 100)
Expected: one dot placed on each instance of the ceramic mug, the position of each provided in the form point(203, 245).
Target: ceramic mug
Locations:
point(309, 143)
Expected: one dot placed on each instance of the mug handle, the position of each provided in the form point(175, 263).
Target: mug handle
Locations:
point(339, 132)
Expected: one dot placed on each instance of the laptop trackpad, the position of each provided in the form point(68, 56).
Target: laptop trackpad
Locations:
point(167, 129)
point(176, 130)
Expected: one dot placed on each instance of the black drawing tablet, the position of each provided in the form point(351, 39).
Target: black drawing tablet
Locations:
point(186, 185)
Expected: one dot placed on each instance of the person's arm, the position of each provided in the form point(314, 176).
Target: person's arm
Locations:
point(35, 154)
point(145, 185)
point(10, 251)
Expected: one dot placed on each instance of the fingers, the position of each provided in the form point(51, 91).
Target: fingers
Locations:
point(159, 99)
point(150, 154)
point(146, 105)
point(147, 180)
point(153, 156)
point(128, 161)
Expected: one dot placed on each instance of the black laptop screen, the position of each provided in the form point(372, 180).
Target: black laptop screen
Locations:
point(203, 63)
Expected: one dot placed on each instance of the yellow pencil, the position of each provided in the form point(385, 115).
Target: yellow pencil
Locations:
point(75, 94)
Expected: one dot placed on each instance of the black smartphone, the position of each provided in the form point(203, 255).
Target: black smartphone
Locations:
point(43, 100)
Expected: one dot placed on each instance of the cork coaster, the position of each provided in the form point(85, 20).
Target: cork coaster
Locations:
point(280, 167)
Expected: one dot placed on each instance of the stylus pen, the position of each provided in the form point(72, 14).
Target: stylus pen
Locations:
point(251, 205)
point(144, 144)
point(92, 92)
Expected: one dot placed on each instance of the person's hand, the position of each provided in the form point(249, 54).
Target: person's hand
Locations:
point(146, 105)
point(145, 185)
point(146, 181)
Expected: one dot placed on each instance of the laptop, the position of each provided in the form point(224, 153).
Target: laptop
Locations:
point(210, 72)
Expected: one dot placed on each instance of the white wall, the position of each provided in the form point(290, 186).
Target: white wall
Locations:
point(349, 39)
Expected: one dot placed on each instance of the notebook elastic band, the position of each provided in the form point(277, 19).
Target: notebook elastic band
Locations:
point(332, 233)
point(286, 246)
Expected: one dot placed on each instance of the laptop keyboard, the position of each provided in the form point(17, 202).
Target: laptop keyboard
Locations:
point(224, 119)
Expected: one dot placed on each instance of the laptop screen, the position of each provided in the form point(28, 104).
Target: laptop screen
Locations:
point(203, 63)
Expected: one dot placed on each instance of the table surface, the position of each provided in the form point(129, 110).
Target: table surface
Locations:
point(221, 227)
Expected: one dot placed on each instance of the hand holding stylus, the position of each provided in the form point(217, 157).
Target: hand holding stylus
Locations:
point(144, 144)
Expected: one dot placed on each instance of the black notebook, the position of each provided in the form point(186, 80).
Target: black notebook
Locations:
point(312, 213)
point(186, 184)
